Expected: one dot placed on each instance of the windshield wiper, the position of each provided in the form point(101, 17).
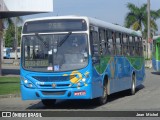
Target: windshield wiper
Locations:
point(64, 39)
point(41, 39)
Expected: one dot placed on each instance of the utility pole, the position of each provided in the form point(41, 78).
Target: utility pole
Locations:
point(1, 46)
point(149, 32)
point(15, 38)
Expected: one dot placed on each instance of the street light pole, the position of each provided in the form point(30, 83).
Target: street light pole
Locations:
point(15, 38)
point(1, 46)
point(149, 32)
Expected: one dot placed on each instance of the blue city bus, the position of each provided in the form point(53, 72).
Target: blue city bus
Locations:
point(156, 53)
point(76, 57)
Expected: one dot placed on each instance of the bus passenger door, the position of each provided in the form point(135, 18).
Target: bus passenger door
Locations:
point(96, 77)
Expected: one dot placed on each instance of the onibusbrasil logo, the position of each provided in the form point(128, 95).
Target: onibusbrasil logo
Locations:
point(21, 114)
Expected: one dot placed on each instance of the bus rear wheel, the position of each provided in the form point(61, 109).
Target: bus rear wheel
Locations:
point(48, 102)
point(133, 85)
point(103, 99)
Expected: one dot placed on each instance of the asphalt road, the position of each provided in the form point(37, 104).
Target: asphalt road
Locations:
point(147, 98)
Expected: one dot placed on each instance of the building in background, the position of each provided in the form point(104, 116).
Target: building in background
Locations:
point(14, 8)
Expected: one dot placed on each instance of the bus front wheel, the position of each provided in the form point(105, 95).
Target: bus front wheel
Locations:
point(103, 99)
point(48, 102)
point(133, 85)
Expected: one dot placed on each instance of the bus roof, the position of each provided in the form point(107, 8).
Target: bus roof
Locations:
point(113, 26)
point(93, 21)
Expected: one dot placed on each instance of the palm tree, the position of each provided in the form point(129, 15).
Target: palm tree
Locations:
point(136, 18)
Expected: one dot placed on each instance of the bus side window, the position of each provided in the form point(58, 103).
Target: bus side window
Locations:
point(125, 50)
point(131, 46)
point(128, 45)
point(118, 44)
point(111, 49)
point(136, 47)
point(154, 47)
point(102, 38)
point(95, 43)
point(107, 43)
point(141, 47)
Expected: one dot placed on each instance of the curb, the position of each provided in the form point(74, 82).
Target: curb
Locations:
point(10, 96)
point(9, 75)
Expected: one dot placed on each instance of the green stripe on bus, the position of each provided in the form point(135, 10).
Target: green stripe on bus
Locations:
point(103, 64)
point(136, 62)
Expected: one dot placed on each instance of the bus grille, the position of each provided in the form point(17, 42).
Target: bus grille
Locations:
point(53, 92)
point(52, 78)
point(58, 85)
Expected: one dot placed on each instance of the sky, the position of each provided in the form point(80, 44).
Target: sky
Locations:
point(113, 11)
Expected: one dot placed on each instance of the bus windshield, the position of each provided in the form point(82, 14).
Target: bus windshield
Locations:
point(54, 52)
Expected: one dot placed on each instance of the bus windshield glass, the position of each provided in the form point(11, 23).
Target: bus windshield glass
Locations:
point(54, 52)
point(62, 25)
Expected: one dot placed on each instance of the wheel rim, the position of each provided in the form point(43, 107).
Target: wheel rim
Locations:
point(133, 84)
point(104, 93)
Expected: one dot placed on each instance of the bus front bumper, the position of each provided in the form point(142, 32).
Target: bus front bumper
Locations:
point(83, 92)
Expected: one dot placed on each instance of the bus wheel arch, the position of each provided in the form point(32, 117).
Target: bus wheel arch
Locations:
point(133, 83)
point(103, 99)
point(107, 81)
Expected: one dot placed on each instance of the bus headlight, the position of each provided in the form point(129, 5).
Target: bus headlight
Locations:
point(27, 83)
point(30, 85)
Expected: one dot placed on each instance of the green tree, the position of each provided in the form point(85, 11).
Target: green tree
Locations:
point(136, 18)
point(9, 36)
point(10, 31)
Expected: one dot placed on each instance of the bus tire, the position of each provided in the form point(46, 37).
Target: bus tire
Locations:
point(103, 99)
point(48, 102)
point(133, 85)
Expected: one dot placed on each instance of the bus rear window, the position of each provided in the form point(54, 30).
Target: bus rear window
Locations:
point(55, 26)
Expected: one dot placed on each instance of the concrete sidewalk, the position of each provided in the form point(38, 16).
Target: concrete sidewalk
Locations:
point(10, 96)
point(10, 70)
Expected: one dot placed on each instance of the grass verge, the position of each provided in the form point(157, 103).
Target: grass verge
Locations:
point(9, 85)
